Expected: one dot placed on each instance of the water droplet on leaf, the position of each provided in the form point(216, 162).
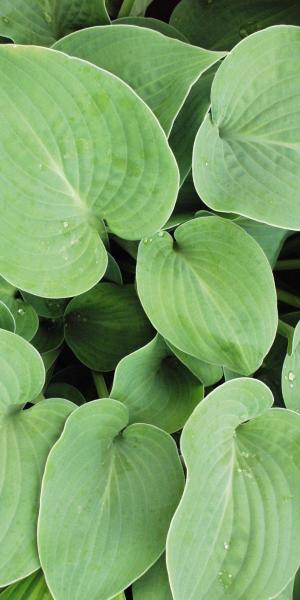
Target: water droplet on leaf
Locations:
point(292, 376)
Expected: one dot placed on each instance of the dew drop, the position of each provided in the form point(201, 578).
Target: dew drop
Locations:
point(291, 385)
point(145, 240)
point(206, 163)
point(66, 224)
point(291, 376)
point(5, 20)
point(21, 311)
point(285, 377)
point(161, 234)
point(150, 239)
point(226, 546)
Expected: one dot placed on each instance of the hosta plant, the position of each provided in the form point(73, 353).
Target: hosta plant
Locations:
point(149, 300)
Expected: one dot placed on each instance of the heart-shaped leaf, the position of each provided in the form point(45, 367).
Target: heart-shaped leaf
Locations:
point(77, 146)
point(154, 585)
point(25, 441)
point(155, 387)
point(105, 324)
point(236, 532)
point(42, 22)
point(221, 25)
point(210, 292)
point(172, 65)
point(108, 495)
point(246, 153)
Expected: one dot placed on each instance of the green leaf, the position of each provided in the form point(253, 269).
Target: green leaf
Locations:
point(191, 289)
point(291, 375)
point(93, 151)
point(6, 289)
point(64, 390)
point(41, 22)
point(49, 336)
point(246, 151)
point(236, 531)
point(113, 272)
point(155, 24)
point(271, 239)
point(25, 317)
point(25, 441)
point(155, 387)
point(109, 492)
point(31, 588)
point(7, 320)
point(154, 585)
point(188, 121)
point(105, 324)
point(51, 308)
point(221, 25)
point(208, 374)
point(172, 65)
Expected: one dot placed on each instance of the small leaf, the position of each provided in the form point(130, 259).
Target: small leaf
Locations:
point(25, 317)
point(31, 588)
point(210, 292)
point(247, 150)
point(239, 518)
point(7, 320)
point(25, 441)
point(105, 324)
point(108, 495)
point(93, 151)
point(172, 65)
point(291, 374)
point(155, 387)
point(41, 22)
point(208, 374)
point(271, 239)
point(154, 585)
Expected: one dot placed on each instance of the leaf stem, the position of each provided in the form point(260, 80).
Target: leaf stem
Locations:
point(287, 265)
point(287, 331)
point(288, 298)
point(100, 385)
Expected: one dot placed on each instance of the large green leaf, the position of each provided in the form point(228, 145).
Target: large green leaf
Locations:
point(154, 585)
point(246, 154)
point(31, 588)
point(155, 387)
point(108, 495)
point(41, 22)
point(172, 65)
point(77, 146)
point(221, 25)
point(236, 533)
point(105, 324)
point(210, 292)
point(25, 441)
